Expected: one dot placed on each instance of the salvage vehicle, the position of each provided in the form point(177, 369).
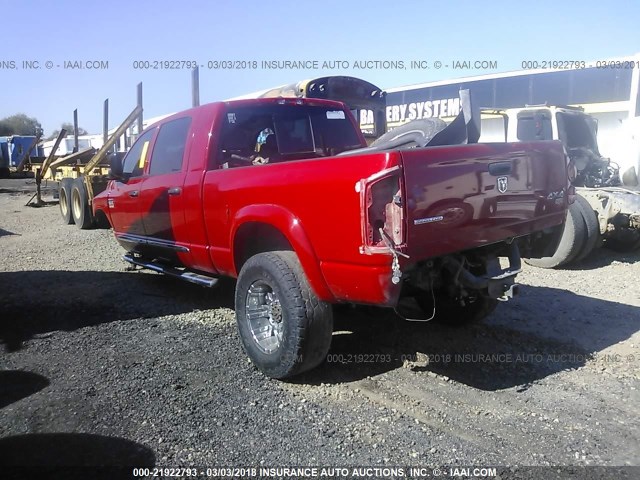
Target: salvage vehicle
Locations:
point(607, 207)
point(285, 195)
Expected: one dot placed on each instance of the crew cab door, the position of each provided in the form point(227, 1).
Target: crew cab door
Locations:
point(123, 196)
point(162, 200)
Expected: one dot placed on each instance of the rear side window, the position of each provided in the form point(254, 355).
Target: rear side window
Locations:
point(168, 151)
point(134, 161)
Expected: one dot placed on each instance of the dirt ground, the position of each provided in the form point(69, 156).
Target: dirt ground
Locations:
point(102, 365)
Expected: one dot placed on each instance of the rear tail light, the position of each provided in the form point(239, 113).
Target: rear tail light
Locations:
point(383, 209)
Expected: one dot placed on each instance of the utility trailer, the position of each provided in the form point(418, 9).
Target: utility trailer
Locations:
point(83, 175)
point(607, 207)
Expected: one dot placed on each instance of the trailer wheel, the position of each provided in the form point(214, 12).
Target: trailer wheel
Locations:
point(82, 215)
point(592, 228)
point(573, 238)
point(64, 200)
point(285, 329)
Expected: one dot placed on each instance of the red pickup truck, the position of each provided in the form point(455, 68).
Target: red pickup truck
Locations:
point(269, 191)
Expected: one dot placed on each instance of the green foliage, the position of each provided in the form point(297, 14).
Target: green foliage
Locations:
point(69, 128)
point(20, 124)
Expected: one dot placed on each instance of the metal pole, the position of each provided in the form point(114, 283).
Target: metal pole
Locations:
point(49, 159)
point(105, 121)
point(76, 143)
point(100, 154)
point(195, 87)
point(140, 105)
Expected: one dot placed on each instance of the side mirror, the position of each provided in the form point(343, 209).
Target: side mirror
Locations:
point(115, 164)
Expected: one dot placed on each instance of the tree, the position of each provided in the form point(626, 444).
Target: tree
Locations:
point(20, 124)
point(69, 128)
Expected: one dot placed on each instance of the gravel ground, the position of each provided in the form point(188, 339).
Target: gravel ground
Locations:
point(103, 365)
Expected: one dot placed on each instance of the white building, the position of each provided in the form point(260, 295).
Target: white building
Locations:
point(607, 89)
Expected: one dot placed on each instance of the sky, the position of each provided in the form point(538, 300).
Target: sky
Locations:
point(122, 35)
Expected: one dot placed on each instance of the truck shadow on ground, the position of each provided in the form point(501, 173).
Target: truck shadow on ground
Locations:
point(35, 303)
point(16, 385)
point(603, 257)
point(542, 332)
point(4, 232)
point(46, 454)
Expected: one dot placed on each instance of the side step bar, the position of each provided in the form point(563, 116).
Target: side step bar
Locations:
point(187, 276)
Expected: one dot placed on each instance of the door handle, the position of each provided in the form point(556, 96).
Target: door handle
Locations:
point(500, 168)
point(133, 193)
point(174, 191)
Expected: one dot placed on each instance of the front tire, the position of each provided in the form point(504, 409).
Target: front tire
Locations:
point(285, 329)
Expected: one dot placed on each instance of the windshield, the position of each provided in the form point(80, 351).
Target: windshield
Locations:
point(577, 131)
point(278, 133)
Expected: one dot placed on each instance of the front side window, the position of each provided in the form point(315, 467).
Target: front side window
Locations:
point(168, 151)
point(136, 157)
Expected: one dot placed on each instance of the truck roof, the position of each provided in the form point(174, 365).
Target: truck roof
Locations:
point(248, 102)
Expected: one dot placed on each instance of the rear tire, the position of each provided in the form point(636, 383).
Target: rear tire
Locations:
point(82, 215)
point(64, 200)
point(573, 238)
point(592, 228)
point(285, 329)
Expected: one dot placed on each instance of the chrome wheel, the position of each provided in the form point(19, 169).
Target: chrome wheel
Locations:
point(264, 316)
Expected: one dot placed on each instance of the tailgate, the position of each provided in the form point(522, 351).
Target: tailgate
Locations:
point(465, 196)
